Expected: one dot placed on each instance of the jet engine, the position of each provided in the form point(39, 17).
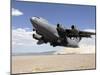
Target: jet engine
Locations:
point(74, 31)
point(37, 36)
point(73, 27)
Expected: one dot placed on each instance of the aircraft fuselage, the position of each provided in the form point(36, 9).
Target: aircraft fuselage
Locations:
point(50, 34)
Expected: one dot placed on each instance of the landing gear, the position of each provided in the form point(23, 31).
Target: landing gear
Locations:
point(54, 44)
point(33, 29)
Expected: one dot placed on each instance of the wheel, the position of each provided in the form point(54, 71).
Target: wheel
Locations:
point(33, 29)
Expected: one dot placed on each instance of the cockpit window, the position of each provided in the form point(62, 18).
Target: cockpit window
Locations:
point(38, 17)
point(43, 20)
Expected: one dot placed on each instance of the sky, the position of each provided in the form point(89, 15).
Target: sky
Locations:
point(66, 14)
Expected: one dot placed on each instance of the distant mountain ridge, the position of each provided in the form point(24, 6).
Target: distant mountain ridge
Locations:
point(39, 53)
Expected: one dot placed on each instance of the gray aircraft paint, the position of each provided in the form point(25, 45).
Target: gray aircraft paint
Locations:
point(49, 31)
point(44, 28)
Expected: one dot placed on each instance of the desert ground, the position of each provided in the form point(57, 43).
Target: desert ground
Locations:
point(45, 63)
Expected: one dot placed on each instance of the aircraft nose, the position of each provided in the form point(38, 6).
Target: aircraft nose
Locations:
point(34, 21)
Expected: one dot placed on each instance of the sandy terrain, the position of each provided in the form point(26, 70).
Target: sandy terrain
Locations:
point(42, 63)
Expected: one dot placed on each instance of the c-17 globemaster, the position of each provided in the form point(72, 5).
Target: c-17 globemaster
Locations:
point(57, 35)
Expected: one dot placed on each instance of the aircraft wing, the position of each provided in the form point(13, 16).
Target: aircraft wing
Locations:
point(75, 33)
point(85, 34)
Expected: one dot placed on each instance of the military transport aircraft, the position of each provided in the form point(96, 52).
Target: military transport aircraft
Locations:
point(57, 35)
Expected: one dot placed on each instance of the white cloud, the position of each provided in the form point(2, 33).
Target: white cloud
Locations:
point(22, 37)
point(89, 30)
point(22, 41)
point(88, 41)
point(16, 12)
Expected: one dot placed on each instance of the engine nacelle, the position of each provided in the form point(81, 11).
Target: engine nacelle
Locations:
point(73, 27)
point(37, 36)
point(74, 31)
